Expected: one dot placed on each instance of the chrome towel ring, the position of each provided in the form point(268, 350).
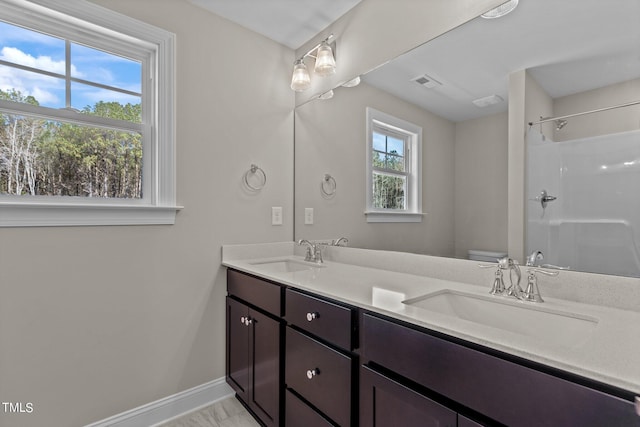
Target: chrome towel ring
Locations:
point(328, 185)
point(255, 178)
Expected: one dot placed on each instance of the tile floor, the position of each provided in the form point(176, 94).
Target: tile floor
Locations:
point(225, 413)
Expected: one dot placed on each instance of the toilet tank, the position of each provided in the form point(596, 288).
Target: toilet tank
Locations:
point(487, 256)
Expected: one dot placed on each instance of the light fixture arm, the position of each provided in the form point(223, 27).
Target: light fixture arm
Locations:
point(310, 52)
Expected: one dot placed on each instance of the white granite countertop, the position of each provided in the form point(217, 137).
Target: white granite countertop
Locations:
point(608, 350)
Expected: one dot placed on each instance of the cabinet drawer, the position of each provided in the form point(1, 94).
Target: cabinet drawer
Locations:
point(319, 374)
point(508, 392)
point(329, 321)
point(263, 294)
point(299, 414)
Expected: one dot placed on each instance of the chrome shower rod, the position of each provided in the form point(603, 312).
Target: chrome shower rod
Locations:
point(550, 119)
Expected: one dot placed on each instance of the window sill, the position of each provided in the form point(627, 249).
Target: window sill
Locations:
point(375, 216)
point(61, 215)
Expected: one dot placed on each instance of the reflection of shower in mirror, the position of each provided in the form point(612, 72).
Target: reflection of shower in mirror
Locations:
point(595, 223)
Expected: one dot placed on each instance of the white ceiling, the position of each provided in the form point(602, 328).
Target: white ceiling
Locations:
point(289, 22)
point(568, 45)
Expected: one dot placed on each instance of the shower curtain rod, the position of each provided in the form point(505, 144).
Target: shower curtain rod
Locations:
point(550, 119)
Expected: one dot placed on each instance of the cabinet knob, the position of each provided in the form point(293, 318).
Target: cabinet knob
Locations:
point(248, 321)
point(312, 373)
point(312, 316)
point(242, 319)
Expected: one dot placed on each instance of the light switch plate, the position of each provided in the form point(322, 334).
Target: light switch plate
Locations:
point(276, 215)
point(308, 216)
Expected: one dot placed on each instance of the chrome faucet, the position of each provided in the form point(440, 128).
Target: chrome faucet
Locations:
point(531, 293)
point(498, 287)
point(314, 251)
point(534, 259)
point(512, 265)
point(342, 241)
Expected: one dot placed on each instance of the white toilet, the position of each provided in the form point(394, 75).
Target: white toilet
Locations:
point(486, 256)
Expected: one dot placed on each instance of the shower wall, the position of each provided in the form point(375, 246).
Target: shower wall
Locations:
point(594, 224)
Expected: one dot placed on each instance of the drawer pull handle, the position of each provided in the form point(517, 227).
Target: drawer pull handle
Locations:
point(312, 316)
point(312, 373)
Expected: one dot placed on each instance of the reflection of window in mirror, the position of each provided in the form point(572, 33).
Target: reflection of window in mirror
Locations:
point(394, 169)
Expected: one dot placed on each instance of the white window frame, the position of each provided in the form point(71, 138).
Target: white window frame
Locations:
point(413, 212)
point(155, 48)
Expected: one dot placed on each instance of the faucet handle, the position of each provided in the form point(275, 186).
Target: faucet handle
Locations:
point(532, 293)
point(498, 287)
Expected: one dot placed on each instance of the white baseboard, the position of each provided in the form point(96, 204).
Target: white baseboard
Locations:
point(169, 407)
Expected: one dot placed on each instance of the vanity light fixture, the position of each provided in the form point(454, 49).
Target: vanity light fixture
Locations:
point(501, 10)
point(353, 82)
point(300, 81)
point(325, 65)
point(327, 95)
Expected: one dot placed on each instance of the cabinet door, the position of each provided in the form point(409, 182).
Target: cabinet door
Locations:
point(237, 347)
point(265, 378)
point(386, 403)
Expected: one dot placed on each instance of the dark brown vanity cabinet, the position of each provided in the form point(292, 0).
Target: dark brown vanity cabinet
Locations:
point(319, 365)
point(497, 389)
point(386, 403)
point(254, 339)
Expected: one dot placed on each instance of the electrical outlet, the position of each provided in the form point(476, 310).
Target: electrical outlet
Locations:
point(276, 215)
point(308, 216)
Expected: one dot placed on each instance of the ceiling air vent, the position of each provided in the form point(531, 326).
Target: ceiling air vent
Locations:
point(487, 101)
point(426, 81)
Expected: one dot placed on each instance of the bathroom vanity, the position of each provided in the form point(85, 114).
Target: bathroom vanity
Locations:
point(342, 344)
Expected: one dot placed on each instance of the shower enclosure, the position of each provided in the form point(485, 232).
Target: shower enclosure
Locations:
point(583, 201)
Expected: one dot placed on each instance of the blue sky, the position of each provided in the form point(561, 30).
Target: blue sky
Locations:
point(43, 52)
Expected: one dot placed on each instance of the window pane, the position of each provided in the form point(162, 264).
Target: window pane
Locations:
point(395, 146)
point(379, 142)
point(40, 157)
point(100, 67)
point(31, 48)
point(32, 88)
point(395, 163)
point(105, 103)
point(389, 191)
point(379, 160)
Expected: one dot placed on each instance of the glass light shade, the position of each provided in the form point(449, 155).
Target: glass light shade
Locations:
point(325, 62)
point(501, 10)
point(300, 81)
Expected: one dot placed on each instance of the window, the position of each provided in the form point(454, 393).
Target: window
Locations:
point(86, 117)
point(394, 169)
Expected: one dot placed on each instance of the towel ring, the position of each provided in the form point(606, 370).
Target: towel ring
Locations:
point(328, 185)
point(256, 171)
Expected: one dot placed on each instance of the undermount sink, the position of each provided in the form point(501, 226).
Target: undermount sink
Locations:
point(552, 326)
point(286, 266)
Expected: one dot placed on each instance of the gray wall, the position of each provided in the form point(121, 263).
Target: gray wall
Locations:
point(98, 320)
point(331, 138)
point(480, 209)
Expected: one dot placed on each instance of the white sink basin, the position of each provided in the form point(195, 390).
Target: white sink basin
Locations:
point(286, 266)
point(529, 319)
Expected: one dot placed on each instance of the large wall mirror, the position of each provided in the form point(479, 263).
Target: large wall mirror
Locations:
point(578, 56)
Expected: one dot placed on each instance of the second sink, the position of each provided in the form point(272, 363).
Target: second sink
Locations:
point(285, 266)
point(552, 326)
